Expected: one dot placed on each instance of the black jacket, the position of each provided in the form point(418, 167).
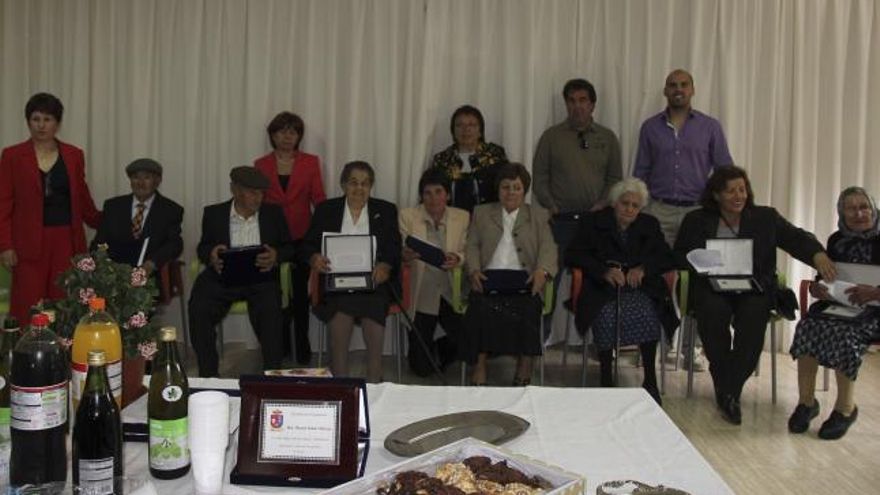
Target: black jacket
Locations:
point(768, 229)
point(162, 226)
point(383, 224)
point(273, 231)
point(598, 241)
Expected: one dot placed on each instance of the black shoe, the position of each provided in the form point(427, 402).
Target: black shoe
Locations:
point(800, 419)
point(836, 425)
point(730, 409)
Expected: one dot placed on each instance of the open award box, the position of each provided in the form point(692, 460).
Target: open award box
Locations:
point(301, 431)
point(446, 458)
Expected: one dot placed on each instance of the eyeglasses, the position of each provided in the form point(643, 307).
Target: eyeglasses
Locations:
point(583, 141)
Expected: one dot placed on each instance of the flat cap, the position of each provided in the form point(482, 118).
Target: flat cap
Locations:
point(144, 165)
point(249, 177)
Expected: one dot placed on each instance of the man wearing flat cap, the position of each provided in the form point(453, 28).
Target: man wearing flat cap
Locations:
point(142, 216)
point(244, 221)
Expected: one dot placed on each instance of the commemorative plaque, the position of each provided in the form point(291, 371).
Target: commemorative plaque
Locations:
point(351, 263)
point(301, 431)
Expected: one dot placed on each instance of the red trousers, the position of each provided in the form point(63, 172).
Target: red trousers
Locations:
point(33, 280)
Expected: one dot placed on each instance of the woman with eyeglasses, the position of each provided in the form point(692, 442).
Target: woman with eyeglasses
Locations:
point(470, 162)
point(833, 342)
point(356, 213)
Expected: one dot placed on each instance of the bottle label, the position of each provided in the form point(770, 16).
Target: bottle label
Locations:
point(2, 383)
point(169, 440)
point(96, 476)
point(79, 372)
point(4, 416)
point(38, 408)
point(172, 393)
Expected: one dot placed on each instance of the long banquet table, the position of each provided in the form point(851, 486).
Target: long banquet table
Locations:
point(602, 434)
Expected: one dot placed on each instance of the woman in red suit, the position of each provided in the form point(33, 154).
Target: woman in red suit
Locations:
point(294, 184)
point(44, 201)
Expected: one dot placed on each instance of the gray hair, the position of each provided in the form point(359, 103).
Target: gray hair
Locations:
point(629, 185)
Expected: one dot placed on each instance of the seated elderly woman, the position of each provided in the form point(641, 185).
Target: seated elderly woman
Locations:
point(623, 256)
point(729, 211)
point(358, 214)
point(513, 236)
point(470, 162)
point(833, 342)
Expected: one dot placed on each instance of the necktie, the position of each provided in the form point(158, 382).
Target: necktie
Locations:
point(137, 222)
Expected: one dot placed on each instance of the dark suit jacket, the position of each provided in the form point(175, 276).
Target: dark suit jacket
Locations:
point(215, 231)
point(598, 241)
point(763, 224)
point(21, 200)
point(383, 225)
point(162, 227)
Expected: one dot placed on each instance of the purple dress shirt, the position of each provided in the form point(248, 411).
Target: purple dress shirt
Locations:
point(676, 167)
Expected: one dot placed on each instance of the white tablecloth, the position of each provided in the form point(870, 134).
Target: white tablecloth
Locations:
point(603, 434)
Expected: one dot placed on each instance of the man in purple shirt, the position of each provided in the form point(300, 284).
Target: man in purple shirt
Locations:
point(678, 148)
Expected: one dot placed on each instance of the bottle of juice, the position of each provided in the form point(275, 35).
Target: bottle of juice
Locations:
point(8, 339)
point(38, 400)
point(96, 330)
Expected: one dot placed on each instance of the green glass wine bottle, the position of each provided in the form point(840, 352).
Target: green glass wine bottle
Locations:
point(97, 433)
point(167, 411)
point(7, 344)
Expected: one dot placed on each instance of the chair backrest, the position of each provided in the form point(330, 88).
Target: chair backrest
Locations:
point(171, 281)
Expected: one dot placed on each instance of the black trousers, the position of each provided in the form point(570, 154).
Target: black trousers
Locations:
point(210, 301)
point(731, 361)
point(445, 349)
point(297, 311)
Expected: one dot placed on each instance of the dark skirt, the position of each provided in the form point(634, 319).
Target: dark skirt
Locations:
point(372, 305)
point(638, 321)
point(835, 343)
point(502, 325)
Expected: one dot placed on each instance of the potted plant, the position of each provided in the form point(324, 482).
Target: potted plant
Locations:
point(130, 295)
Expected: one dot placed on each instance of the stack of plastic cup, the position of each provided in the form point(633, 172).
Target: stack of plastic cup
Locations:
point(208, 437)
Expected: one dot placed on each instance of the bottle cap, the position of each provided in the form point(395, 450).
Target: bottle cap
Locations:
point(39, 320)
point(97, 357)
point(97, 304)
point(167, 334)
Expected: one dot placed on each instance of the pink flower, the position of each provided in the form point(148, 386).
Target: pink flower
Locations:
point(137, 320)
point(86, 264)
point(138, 277)
point(147, 349)
point(85, 295)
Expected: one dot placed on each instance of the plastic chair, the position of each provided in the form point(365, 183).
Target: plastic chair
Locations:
point(240, 307)
point(459, 305)
point(688, 319)
point(394, 310)
point(804, 299)
point(172, 285)
point(577, 281)
point(5, 287)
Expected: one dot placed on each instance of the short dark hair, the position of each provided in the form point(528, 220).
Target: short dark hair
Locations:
point(467, 110)
point(579, 85)
point(718, 182)
point(44, 103)
point(513, 171)
point(350, 167)
point(434, 176)
point(286, 120)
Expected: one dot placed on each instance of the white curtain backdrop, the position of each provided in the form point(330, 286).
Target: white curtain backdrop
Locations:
point(795, 83)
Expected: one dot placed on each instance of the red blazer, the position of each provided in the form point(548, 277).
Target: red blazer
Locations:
point(305, 190)
point(21, 200)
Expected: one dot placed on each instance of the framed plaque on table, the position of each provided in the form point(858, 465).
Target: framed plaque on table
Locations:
point(351, 262)
point(299, 431)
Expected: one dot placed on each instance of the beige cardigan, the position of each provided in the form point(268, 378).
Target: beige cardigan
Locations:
point(531, 235)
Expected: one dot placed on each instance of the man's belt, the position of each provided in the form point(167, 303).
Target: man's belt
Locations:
point(676, 202)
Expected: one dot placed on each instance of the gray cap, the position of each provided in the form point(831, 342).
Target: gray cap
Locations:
point(249, 177)
point(144, 165)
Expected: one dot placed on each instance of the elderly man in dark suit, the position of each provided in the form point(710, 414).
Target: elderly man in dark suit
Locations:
point(244, 221)
point(144, 214)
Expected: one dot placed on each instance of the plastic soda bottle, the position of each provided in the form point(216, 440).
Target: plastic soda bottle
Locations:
point(96, 330)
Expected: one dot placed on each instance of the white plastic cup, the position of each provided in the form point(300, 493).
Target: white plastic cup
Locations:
point(208, 468)
point(208, 421)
